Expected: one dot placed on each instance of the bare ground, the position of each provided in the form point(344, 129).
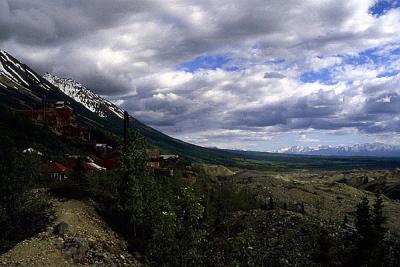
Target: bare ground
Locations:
point(96, 244)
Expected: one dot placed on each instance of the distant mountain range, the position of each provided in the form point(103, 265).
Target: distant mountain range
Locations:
point(21, 88)
point(369, 149)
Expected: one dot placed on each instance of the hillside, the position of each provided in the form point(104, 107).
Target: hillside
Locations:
point(87, 240)
point(21, 88)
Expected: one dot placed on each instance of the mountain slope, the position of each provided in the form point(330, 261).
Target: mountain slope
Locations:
point(21, 88)
point(86, 97)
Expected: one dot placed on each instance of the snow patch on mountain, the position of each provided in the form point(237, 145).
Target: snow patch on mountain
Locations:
point(1, 65)
point(18, 73)
point(368, 149)
point(86, 97)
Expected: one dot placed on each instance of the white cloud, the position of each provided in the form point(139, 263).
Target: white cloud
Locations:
point(130, 50)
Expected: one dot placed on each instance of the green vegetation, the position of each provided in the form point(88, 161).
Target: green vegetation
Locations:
point(159, 216)
point(218, 218)
point(22, 209)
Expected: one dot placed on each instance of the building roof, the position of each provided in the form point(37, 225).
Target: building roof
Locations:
point(57, 167)
point(32, 151)
point(91, 166)
point(166, 157)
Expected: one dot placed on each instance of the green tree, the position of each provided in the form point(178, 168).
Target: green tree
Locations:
point(136, 184)
point(379, 219)
point(243, 248)
point(161, 212)
point(19, 206)
point(325, 250)
point(379, 243)
point(78, 172)
point(178, 228)
point(364, 228)
point(271, 204)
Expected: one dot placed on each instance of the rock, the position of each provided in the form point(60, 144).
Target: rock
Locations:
point(60, 229)
point(76, 248)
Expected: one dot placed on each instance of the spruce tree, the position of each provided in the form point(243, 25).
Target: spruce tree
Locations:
point(271, 204)
point(325, 252)
point(378, 220)
point(364, 226)
point(302, 209)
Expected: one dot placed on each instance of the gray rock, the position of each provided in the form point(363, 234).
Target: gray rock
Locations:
point(76, 247)
point(60, 229)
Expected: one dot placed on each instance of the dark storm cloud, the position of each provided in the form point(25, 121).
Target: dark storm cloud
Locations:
point(55, 21)
point(274, 75)
point(319, 105)
point(129, 51)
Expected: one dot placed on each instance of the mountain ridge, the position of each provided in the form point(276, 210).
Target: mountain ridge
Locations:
point(365, 149)
point(23, 89)
point(85, 96)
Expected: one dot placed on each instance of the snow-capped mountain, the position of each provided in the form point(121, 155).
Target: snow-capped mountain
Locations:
point(369, 149)
point(18, 76)
point(295, 150)
point(86, 97)
point(30, 89)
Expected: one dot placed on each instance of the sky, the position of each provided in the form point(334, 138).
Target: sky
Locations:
point(254, 75)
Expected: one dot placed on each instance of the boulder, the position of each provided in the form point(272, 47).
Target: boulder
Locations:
point(60, 229)
point(76, 248)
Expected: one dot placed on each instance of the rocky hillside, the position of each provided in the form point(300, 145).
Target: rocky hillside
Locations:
point(86, 97)
point(78, 236)
point(21, 88)
point(323, 195)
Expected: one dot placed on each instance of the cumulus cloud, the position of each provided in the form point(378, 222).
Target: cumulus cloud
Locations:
point(130, 52)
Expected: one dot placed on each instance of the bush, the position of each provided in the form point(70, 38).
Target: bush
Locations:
point(22, 210)
point(158, 216)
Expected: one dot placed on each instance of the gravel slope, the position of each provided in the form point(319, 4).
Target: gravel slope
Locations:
point(86, 241)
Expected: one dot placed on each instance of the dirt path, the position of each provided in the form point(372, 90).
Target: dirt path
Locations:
point(86, 241)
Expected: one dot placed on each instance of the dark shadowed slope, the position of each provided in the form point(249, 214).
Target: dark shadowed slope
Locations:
point(21, 88)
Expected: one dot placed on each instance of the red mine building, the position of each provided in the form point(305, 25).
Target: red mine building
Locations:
point(61, 119)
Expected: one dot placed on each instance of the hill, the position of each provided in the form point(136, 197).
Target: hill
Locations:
point(86, 240)
point(21, 88)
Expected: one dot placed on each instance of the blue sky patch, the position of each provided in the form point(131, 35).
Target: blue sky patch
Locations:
point(205, 62)
point(365, 57)
point(396, 51)
point(382, 6)
point(388, 73)
point(275, 61)
point(322, 76)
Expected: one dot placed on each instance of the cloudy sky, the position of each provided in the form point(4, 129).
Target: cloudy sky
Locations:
point(254, 74)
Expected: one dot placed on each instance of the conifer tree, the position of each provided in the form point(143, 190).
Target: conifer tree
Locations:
point(325, 252)
point(379, 219)
point(302, 209)
point(365, 232)
point(271, 204)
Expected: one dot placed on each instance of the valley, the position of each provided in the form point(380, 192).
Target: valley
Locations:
point(219, 207)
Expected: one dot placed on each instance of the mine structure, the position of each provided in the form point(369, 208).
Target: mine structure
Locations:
point(60, 118)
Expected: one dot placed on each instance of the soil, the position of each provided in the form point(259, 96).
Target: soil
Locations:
point(86, 241)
